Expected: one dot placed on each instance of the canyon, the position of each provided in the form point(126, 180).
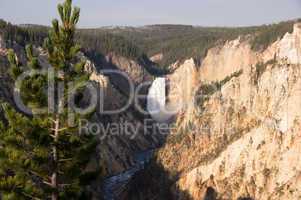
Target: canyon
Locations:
point(241, 137)
point(235, 122)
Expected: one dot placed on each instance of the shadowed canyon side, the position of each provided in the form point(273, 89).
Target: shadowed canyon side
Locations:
point(242, 140)
point(118, 149)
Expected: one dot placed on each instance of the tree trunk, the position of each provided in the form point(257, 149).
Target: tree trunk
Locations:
point(54, 182)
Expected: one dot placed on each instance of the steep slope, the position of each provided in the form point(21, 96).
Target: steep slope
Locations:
point(118, 148)
point(243, 138)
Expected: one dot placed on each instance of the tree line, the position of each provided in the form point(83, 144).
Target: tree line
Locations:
point(176, 42)
point(90, 40)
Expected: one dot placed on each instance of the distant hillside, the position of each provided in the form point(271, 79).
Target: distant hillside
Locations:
point(100, 42)
point(175, 42)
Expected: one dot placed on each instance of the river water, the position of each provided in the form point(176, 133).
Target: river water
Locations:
point(115, 185)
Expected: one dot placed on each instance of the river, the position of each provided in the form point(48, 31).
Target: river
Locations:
point(115, 185)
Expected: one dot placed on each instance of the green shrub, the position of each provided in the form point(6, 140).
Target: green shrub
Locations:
point(206, 90)
point(260, 68)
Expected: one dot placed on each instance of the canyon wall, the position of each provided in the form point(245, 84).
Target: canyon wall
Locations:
point(242, 140)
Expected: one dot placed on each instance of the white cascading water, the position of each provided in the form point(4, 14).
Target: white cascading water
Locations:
point(156, 100)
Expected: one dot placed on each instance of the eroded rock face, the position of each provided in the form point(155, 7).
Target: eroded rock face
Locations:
point(261, 157)
point(182, 87)
point(223, 61)
point(118, 147)
point(134, 70)
point(6, 82)
point(290, 46)
point(246, 141)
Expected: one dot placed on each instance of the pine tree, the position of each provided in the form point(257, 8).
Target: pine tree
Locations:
point(42, 156)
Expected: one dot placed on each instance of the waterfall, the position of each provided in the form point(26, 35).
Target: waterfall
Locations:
point(156, 100)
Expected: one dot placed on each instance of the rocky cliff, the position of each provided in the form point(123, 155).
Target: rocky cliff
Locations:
point(242, 138)
point(118, 148)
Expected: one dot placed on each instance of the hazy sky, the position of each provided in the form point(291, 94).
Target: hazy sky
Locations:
point(96, 13)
